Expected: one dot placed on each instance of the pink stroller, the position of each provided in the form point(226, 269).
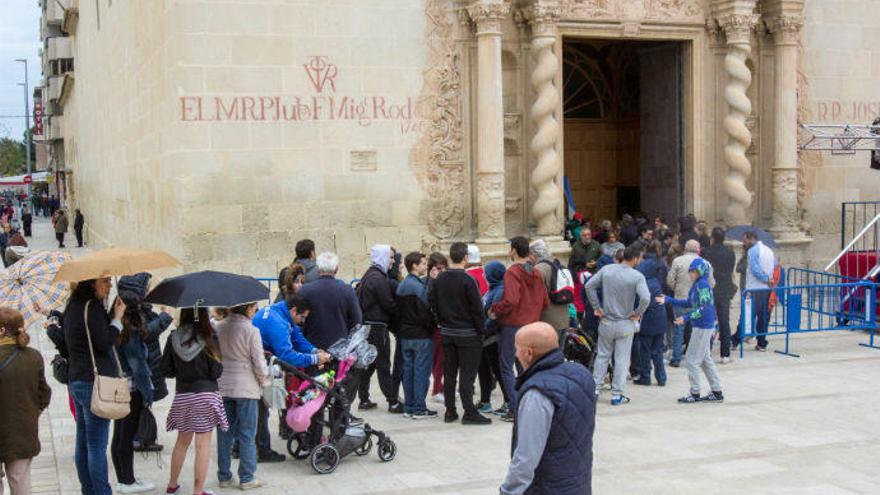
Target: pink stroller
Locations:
point(318, 413)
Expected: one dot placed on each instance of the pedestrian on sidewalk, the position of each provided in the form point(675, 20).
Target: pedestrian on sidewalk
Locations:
point(722, 260)
point(525, 298)
point(680, 283)
point(27, 220)
point(132, 351)
point(490, 368)
point(455, 301)
point(556, 313)
point(192, 357)
point(553, 432)
point(437, 264)
point(244, 374)
point(61, 225)
point(699, 308)
point(24, 394)
point(415, 331)
point(654, 324)
point(376, 299)
point(87, 327)
point(760, 269)
point(78, 223)
point(618, 321)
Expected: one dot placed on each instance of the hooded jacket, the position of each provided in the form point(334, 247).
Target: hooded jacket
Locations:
point(374, 290)
point(525, 296)
point(654, 320)
point(494, 271)
point(700, 304)
point(282, 337)
point(186, 359)
point(155, 325)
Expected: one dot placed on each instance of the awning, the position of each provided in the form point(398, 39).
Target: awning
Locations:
point(23, 180)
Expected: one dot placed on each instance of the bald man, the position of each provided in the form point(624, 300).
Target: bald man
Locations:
point(680, 282)
point(553, 452)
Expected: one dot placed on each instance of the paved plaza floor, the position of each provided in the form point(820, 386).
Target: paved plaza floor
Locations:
point(806, 426)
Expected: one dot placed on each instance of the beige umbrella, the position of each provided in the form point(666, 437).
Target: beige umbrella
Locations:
point(112, 262)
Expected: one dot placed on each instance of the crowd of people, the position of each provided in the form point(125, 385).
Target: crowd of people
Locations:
point(648, 295)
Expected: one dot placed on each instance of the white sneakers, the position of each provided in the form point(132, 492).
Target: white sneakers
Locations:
point(725, 360)
point(137, 487)
point(439, 398)
point(254, 483)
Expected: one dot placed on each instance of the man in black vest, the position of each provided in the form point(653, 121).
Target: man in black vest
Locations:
point(557, 400)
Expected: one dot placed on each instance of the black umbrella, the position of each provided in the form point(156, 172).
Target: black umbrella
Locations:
point(736, 233)
point(208, 288)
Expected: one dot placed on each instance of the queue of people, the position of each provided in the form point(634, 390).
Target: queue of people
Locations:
point(447, 319)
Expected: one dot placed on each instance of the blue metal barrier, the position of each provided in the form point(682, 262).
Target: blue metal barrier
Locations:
point(269, 282)
point(811, 308)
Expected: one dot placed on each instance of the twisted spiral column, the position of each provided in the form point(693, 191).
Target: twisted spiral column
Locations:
point(739, 77)
point(543, 16)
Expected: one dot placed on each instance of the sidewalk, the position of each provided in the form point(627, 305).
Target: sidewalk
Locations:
point(788, 427)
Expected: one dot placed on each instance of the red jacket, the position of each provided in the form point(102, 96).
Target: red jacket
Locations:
point(477, 274)
point(525, 296)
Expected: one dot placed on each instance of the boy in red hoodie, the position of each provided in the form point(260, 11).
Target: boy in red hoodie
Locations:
point(525, 297)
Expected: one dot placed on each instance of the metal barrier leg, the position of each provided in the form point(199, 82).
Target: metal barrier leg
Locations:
point(787, 352)
point(792, 322)
point(871, 314)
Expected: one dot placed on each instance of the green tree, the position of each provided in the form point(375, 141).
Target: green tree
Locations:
point(12, 157)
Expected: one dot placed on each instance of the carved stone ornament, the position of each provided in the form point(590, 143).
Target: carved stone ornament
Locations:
point(676, 10)
point(738, 27)
point(714, 32)
point(491, 219)
point(437, 156)
point(786, 214)
point(785, 29)
point(542, 12)
point(488, 14)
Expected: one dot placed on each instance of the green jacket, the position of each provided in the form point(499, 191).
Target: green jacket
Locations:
point(582, 254)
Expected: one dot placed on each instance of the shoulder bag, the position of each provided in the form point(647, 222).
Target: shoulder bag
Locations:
point(110, 396)
point(275, 393)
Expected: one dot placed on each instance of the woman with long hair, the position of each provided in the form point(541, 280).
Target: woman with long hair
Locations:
point(132, 348)
point(290, 280)
point(87, 327)
point(24, 394)
point(192, 356)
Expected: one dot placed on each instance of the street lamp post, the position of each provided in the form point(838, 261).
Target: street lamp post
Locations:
point(27, 124)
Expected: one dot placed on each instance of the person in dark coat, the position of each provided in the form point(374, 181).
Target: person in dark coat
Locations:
point(654, 324)
point(376, 298)
point(61, 227)
point(686, 225)
point(24, 394)
point(415, 331)
point(722, 260)
point(552, 446)
point(155, 325)
point(92, 432)
point(78, 223)
point(27, 219)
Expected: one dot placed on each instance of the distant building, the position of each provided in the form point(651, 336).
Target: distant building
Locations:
point(224, 131)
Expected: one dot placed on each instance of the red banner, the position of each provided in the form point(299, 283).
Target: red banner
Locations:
point(38, 118)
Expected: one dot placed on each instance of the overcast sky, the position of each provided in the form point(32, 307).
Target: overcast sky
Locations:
point(19, 38)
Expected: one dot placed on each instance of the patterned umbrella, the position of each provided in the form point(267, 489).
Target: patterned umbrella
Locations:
point(29, 282)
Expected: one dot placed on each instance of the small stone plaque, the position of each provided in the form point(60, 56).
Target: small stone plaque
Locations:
point(363, 161)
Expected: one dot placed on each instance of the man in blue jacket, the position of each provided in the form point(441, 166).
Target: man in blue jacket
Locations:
point(281, 336)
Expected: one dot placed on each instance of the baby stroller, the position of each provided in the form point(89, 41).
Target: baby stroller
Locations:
point(579, 347)
point(318, 410)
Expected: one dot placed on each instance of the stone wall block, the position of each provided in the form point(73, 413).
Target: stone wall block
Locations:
point(221, 219)
point(286, 19)
point(230, 136)
point(255, 218)
point(271, 245)
point(261, 49)
point(235, 247)
point(243, 80)
point(197, 247)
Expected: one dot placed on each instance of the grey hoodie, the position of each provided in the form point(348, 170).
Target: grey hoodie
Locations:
point(185, 346)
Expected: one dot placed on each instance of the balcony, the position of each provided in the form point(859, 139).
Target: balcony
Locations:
point(54, 13)
point(55, 85)
point(56, 127)
point(58, 47)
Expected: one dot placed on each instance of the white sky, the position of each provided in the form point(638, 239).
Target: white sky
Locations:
point(19, 38)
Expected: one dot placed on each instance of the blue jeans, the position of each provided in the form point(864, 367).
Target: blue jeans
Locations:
point(761, 315)
point(507, 360)
point(242, 416)
point(92, 436)
point(418, 359)
point(678, 336)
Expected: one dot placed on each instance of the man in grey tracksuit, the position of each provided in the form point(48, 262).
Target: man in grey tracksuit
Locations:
point(620, 284)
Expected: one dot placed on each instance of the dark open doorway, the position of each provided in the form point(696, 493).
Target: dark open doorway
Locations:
point(623, 109)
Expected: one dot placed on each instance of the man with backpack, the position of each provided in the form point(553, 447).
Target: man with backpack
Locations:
point(559, 285)
point(525, 298)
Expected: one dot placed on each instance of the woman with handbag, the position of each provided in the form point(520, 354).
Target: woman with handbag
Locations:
point(192, 356)
point(244, 374)
point(90, 334)
point(24, 394)
point(132, 349)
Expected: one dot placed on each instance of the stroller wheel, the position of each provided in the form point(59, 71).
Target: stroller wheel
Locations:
point(365, 448)
point(301, 451)
point(387, 450)
point(325, 458)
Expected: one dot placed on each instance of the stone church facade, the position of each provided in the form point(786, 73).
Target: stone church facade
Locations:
point(225, 131)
